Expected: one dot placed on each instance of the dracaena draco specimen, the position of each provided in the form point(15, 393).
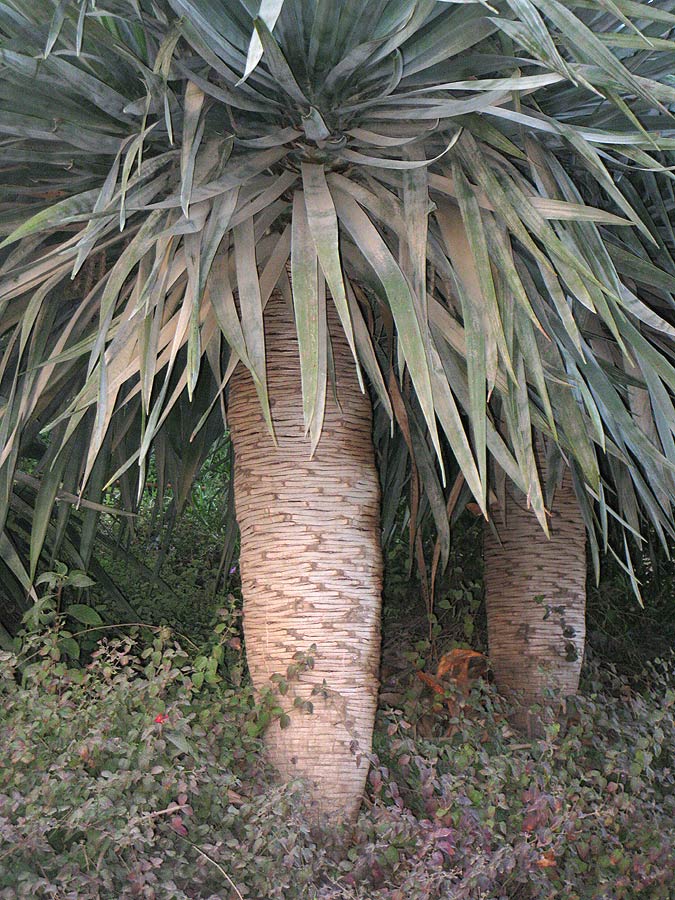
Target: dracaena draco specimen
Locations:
point(402, 220)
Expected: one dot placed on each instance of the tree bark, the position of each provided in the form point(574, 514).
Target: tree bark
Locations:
point(311, 564)
point(536, 601)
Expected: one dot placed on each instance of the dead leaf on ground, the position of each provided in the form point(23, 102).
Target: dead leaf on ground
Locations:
point(462, 666)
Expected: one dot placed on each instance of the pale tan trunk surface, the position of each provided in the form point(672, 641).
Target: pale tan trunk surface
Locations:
point(536, 644)
point(311, 563)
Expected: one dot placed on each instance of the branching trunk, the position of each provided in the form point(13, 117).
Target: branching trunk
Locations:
point(311, 565)
point(536, 601)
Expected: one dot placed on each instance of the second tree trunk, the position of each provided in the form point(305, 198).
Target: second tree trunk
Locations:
point(311, 565)
point(536, 601)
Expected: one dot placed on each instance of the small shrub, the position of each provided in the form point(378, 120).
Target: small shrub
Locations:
point(588, 811)
point(124, 780)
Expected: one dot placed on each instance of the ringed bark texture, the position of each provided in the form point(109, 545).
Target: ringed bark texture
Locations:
point(311, 563)
point(536, 643)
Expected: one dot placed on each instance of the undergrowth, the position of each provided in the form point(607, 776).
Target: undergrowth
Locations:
point(131, 763)
point(132, 777)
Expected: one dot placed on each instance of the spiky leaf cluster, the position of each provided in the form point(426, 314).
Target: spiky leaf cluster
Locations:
point(449, 175)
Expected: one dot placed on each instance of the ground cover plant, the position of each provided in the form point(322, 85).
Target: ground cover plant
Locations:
point(132, 777)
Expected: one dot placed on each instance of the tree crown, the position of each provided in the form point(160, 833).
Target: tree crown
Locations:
point(463, 181)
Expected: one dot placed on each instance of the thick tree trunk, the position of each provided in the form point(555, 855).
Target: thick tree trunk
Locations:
point(311, 564)
point(536, 601)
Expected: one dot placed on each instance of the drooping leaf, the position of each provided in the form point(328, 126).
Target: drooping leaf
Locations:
point(87, 615)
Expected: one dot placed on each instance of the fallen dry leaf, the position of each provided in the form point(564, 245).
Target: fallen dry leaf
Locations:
point(461, 665)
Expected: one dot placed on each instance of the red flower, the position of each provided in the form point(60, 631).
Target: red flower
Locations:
point(161, 718)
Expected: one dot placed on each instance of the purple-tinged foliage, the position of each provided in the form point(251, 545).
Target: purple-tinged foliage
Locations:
point(123, 780)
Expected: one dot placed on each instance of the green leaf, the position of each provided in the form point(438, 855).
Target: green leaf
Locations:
point(397, 291)
point(193, 129)
point(70, 646)
point(531, 32)
point(68, 210)
point(278, 66)
point(304, 276)
point(84, 614)
point(481, 346)
point(12, 560)
point(592, 50)
point(323, 224)
point(42, 512)
point(79, 579)
point(322, 36)
point(180, 742)
point(268, 13)
point(383, 162)
point(413, 253)
point(251, 311)
point(57, 24)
